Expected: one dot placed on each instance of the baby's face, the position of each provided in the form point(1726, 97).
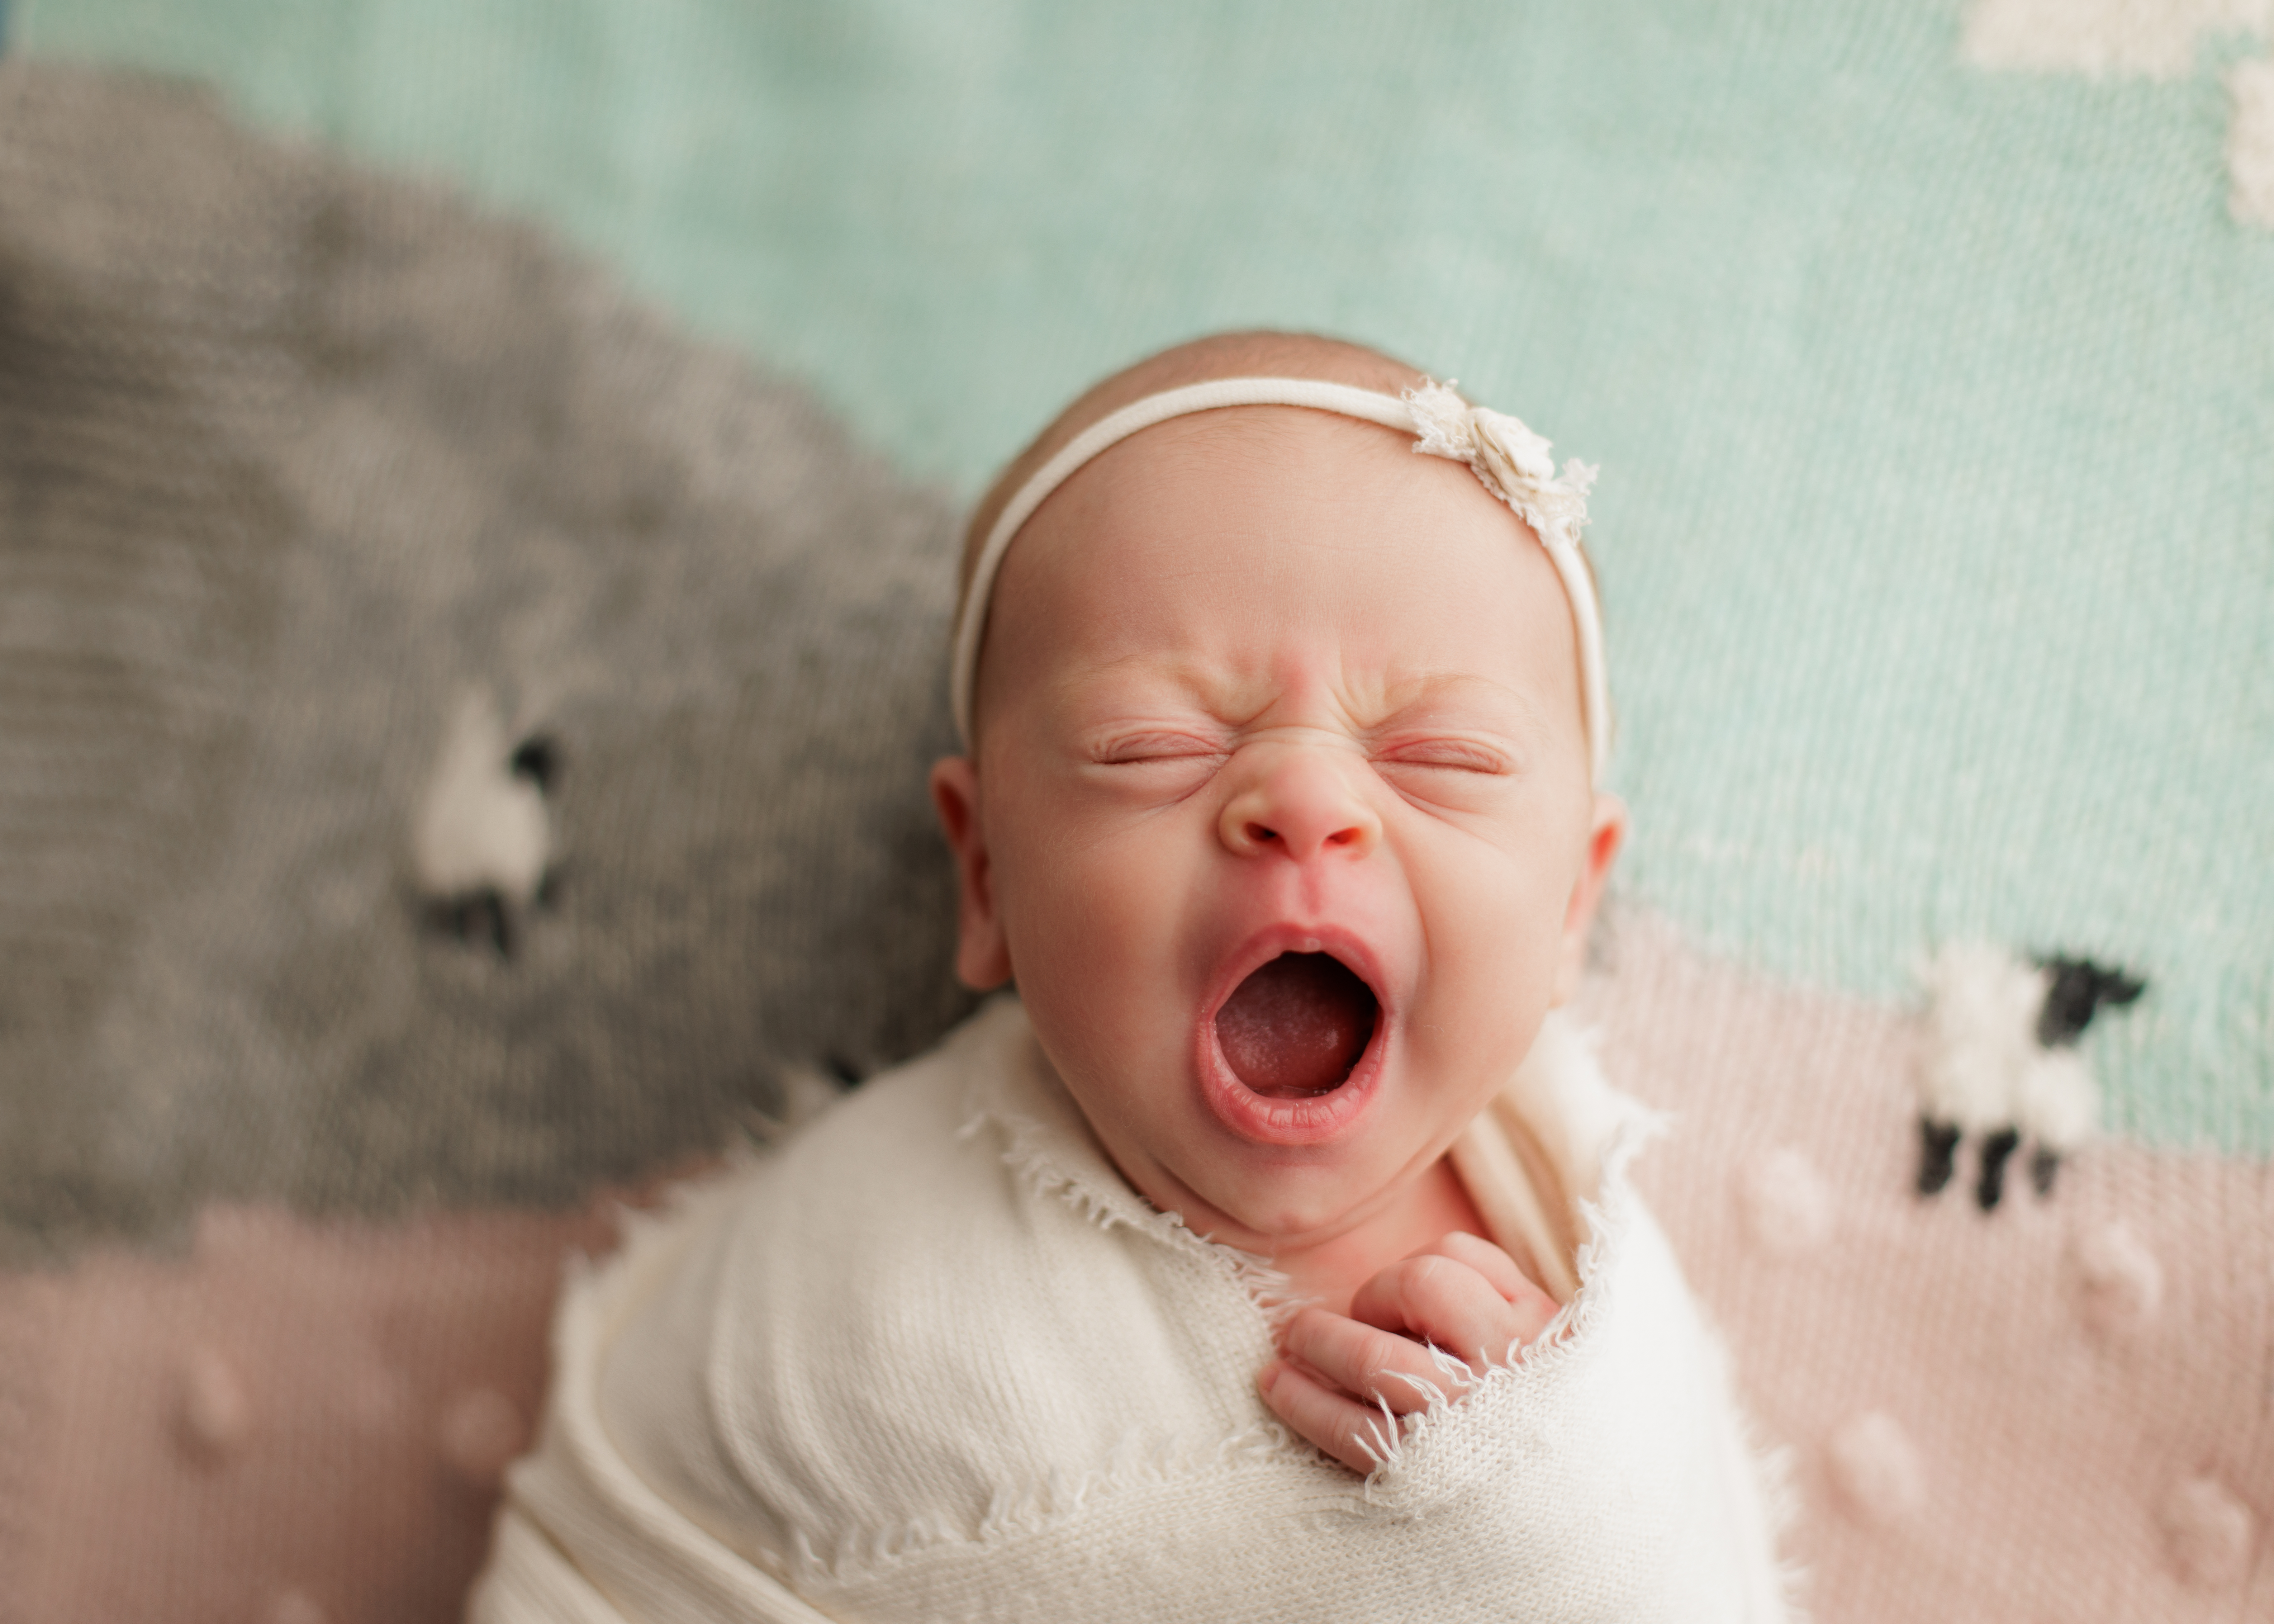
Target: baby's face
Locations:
point(1263, 682)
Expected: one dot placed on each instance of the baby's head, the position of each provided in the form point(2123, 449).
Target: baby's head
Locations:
point(1280, 803)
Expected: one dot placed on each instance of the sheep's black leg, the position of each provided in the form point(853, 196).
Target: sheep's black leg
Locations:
point(2043, 1165)
point(500, 924)
point(478, 916)
point(1995, 1151)
point(1938, 1148)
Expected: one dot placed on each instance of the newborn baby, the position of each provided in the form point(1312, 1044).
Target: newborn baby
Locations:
point(1270, 1255)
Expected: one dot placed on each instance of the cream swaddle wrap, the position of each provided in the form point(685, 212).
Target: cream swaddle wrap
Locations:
point(933, 1359)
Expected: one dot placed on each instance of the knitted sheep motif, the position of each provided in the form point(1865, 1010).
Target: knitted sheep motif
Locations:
point(482, 846)
point(2001, 1062)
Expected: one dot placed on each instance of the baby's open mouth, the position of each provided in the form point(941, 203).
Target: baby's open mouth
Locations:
point(1295, 1027)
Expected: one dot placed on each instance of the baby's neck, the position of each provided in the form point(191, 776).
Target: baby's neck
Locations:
point(1330, 1273)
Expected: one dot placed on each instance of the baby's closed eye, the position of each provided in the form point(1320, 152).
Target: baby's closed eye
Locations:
point(1149, 749)
point(1449, 754)
point(1448, 774)
point(1159, 765)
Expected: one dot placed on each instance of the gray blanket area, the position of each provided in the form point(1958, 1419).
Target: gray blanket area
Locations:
point(292, 461)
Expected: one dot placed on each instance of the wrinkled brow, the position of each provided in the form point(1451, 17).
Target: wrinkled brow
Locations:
point(1151, 687)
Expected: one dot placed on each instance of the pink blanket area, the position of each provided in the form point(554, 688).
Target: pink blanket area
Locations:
point(295, 1422)
point(2059, 1410)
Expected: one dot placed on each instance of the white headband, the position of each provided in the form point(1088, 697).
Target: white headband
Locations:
point(1509, 459)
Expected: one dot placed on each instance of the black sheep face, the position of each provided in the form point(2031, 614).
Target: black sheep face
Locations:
point(2078, 990)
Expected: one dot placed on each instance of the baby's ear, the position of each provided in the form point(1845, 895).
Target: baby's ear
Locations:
point(1606, 831)
point(982, 958)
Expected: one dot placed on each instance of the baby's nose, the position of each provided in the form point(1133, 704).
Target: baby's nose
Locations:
point(1299, 802)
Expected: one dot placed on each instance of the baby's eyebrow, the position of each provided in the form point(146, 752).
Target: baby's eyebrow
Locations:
point(1150, 672)
point(1459, 699)
point(1141, 691)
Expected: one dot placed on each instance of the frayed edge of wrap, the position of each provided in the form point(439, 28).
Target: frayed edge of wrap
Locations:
point(1560, 1341)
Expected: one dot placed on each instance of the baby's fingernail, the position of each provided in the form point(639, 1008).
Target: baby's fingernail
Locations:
point(1270, 1375)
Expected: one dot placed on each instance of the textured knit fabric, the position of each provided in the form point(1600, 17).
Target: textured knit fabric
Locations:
point(936, 1360)
point(1927, 347)
point(1933, 398)
point(294, 459)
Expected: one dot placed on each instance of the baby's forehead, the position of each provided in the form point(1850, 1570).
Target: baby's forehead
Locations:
point(1208, 564)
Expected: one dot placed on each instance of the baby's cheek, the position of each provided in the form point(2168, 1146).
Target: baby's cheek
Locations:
point(1093, 927)
point(1494, 945)
point(1511, 887)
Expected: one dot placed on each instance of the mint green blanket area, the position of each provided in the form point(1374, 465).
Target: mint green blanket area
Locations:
point(1935, 405)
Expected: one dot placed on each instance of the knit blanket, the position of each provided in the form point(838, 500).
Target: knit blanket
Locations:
point(934, 1360)
point(1929, 353)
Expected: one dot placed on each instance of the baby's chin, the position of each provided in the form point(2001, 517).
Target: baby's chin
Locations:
point(1276, 1211)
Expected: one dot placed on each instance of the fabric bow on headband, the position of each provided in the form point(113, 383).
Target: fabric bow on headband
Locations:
point(1512, 461)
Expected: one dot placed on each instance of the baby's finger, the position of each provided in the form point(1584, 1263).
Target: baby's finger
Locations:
point(1371, 1365)
point(1533, 1306)
point(1346, 1430)
point(1436, 1300)
point(1499, 1270)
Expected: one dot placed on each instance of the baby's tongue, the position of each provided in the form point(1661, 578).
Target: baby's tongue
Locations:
point(1297, 1025)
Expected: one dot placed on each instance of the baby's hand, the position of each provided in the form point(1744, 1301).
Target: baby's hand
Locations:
point(1462, 1295)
